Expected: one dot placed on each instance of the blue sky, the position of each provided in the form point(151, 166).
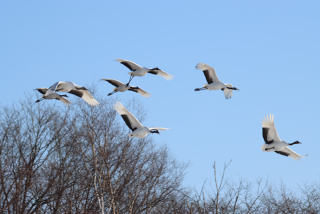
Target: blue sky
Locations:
point(268, 49)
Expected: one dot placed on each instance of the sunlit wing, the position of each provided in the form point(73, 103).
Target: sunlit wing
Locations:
point(140, 91)
point(159, 128)
point(129, 64)
point(85, 95)
point(227, 93)
point(161, 73)
point(269, 131)
point(290, 153)
point(128, 118)
point(113, 82)
point(42, 90)
point(208, 72)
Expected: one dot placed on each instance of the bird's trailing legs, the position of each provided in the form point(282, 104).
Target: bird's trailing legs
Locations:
point(199, 89)
point(131, 77)
point(39, 100)
point(111, 93)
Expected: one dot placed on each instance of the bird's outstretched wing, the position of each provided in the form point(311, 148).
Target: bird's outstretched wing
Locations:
point(159, 128)
point(269, 131)
point(227, 92)
point(290, 153)
point(208, 72)
point(128, 118)
point(42, 90)
point(140, 91)
point(64, 100)
point(115, 83)
point(131, 65)
point(54, 86)
point(85, 95)
point(160, 72)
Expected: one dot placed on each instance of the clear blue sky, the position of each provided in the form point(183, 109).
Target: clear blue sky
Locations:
point(268, 49)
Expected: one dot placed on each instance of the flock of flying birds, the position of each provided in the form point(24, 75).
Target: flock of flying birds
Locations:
point(272, 141)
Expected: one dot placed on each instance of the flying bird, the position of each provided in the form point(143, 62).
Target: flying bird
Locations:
point(273, 142)
point(120, 87)
point(75, 89)
point(49, 94)
point(137, 70)
point(138, 130)
point(213, 82)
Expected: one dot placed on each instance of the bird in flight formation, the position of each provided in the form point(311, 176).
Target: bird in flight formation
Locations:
point(138, 130)
point(213, 82)
point(120, 87)
point(69, 87)
point(272, 141)
point(137, 70)
point(49, 94)
point(75, 89)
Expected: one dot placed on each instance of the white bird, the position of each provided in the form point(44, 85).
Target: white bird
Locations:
point(75, 89)
point(137, 70)
point(120, 87)
point(138, 130)
point(50, 94)
point(273, 142)
point(213, 82)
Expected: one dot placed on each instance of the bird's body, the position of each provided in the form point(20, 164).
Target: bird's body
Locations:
point(120, 87)
point(138, 130)
point(140, 133)
point(213, 83)
point(272, 141)
point(75, 89)
point(49, 94)
point(137, 70)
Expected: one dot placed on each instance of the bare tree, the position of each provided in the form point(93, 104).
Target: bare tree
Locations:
point(79, 160)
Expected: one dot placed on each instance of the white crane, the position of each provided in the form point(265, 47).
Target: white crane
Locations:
point(137, 70)
point(75, 89)
point(273, 142)
point(138, 130)
point(49, 94)
point(213, 82)
point(120, 87)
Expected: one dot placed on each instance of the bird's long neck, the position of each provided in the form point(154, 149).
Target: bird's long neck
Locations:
point(232, 88)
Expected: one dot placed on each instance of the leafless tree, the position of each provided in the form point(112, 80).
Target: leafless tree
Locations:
point(79, 160)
